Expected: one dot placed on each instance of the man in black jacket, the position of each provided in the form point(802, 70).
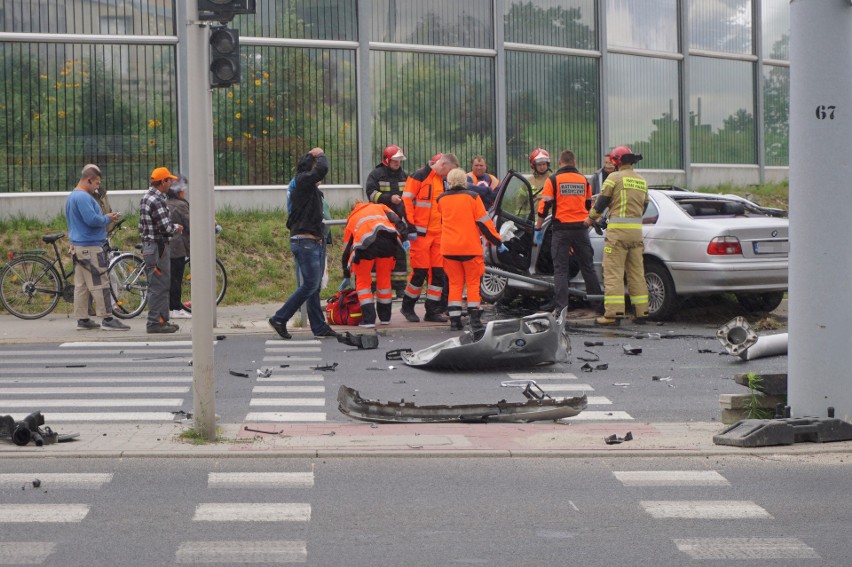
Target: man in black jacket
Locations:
point(306, 243)
point(384, 186)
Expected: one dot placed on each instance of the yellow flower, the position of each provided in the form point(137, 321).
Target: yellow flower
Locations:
point(265, 75)
point(42, 76)
point(36, 116)
point(270, 119)
point(151, 123)
point(251, 101)
point(61, 113)
point(246, 135)
point(264, 132)
point(229, 139)
point(257, 82)
point(230, 94)
point(152, 142)
point(238, 115)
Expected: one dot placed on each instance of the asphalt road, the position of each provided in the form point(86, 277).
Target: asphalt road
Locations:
point(426, 512)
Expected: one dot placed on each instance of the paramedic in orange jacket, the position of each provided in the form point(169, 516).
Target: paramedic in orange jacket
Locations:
point(422, 190)
point(372, 236)
point(464, 219)
point(568, 193)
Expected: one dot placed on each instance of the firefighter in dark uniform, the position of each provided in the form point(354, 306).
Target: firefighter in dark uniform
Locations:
point(625, 192)
point(569, 194)
point(384, 186)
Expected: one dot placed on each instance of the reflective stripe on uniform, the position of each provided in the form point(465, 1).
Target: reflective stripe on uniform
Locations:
point(615, 300)
point(423, 204)
point(483, 218)
point(638, 299)
point(624, 220)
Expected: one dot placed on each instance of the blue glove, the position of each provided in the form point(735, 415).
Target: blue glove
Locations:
point(412, 236)
point(406, 245)
point(345, 284)
point(502, 248)
point(538, 237)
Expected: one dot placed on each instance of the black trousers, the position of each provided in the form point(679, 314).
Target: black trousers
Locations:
point(562, 241)
point(176, 285)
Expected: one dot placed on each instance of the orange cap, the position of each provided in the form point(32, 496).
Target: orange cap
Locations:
point(162, 173)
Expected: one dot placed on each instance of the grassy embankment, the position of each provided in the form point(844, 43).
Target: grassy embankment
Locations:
point(255, 250)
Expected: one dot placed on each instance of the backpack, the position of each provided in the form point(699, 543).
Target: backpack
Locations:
point(343, 308)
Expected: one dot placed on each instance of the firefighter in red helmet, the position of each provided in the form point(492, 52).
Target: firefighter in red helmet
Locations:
point(540, 164)
point(384, 186)
point(625, 193)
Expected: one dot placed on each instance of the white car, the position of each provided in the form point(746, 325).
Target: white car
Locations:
point(695, 244)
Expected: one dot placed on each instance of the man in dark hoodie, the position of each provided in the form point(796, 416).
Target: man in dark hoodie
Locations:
point(384, 186)
point(306, 243)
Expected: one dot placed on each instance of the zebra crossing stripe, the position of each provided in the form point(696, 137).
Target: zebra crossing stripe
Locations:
point(282, 416)
point(252, 512)
point(293, 358)
point(178, 360)
point(106, 416)
point(671, 478)
point(128, 344)
point(47, 353)
point(260, 480)
point(598, 401)
point(270, 552)
point(42, 513)
point(288, 390)
point(291, 379)
point(96, 390)
point(566, 388)
point(87, 370)
point(543, 376)
point(294, 349)
point(705, 509)
point(291, 402)
point(94, 403)
point(25, 552)
point(85, 380)
point(277, 342)
point(746, 548)
point(294, 368)
point(602, 415)
point(56, 480)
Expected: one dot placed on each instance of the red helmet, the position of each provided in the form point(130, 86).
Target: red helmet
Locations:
point(539, 155)
point(392, 152)
point(618, 153)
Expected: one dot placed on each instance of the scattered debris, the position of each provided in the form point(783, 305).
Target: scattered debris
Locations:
point(631, 350)
point(536, 339)
point(353, 405)
point(739, 339)
point(363, 342)
point(29, 429)
point(615, 440)
point(221, 337)
point(603, 366)
point(376, 369)
point(706, 351)
point(396, 354)
point(655, 336)
point(399, 382)
point(184, 414)
point(65, 366)
point(36, 483)
point(593, 343)
point(661, 379)
point(587, 359)
point(621, 384)
point(283, 366)
point(586, 367)
point(262, 431)
point(238, 373)
point(264, 372)
point(326, 368)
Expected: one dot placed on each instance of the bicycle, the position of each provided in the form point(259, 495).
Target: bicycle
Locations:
point(129, 284)
point(31, 284)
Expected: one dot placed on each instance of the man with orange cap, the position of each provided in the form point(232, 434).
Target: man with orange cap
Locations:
point(156, 230)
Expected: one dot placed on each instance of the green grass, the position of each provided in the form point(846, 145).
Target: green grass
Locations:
point(254, 246)
point(769, 195)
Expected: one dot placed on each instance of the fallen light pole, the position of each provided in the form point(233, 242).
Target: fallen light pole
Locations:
point(739, 339)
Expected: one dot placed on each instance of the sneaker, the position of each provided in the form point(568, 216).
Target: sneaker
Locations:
point(162, 328)
point(280, 328)
point(86, 324)
point(367, 325)
point(113, 324)
point(385, 322)
point(179, 314)
point(328, 333)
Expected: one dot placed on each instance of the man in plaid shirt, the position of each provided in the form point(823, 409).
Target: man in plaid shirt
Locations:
point(156, 229)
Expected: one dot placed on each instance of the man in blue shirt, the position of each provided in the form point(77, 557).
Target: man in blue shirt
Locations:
point(87, 232)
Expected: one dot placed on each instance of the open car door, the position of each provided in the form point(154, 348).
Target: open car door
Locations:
point(513, 214)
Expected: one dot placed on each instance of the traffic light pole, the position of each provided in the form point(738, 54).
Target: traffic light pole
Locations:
point(819, 353)
point(196, 104)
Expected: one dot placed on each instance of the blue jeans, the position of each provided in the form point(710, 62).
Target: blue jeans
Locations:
point(310, 258)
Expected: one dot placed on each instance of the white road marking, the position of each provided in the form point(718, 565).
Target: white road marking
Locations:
point(87, 370)
point(542, 376)
point(566, 388)
point(574, 506)
point(280, 416)
point(746, 548)
point(65, 361)
point(85, 380)
point(94, 403)
point(42, 513)
point(235, 552)
point(252, 512)
point(260, 480)
point(277, 342)
point(97, 390)
point(294, 349)
point(25, 552)
point(671, 478)
point(116, 351)
point(129, 344)
point(50, 481)
point(602, 415)
point(598, 401)
point(291, 358)
point(288, 390)
point(705, 509)
point(106, 416)
point(294, 402)
point(294, 368)
point(291, 379)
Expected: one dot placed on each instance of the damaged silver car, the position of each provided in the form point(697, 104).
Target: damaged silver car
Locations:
point(528, 341)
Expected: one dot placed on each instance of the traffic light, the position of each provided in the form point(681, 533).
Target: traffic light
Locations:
point(224, 57)
point(224, 10)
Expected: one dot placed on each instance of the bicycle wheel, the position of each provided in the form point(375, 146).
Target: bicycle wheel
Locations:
point(128, 285)
point(221, 285)
point(30, 287)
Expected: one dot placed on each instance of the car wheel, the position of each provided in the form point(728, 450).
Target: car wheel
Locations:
point(662, 298)
point(493, 288)
point(768, 301)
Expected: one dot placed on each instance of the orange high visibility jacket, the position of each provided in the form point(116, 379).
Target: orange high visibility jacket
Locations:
point(371, 224)
point(486, 180)
point(464, 219)
point(422, 189)
point(569, 191)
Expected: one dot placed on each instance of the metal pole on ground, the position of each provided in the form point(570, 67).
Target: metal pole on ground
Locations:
point(819, 353)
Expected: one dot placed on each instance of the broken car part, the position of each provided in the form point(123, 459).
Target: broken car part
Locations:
point(631, 350)
point(615, 440)
point(238, 373)
point(326, 368)
point(528, 341)
point(264, 372)
point(29, 429)
point(364, 342)
point(396, 354)
point(766, 432)
point(351, 403)
point(739, 339)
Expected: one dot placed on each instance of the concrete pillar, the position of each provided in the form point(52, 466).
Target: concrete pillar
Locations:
point(820, 349)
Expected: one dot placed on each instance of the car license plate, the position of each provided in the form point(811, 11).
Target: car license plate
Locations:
point(772, 247)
